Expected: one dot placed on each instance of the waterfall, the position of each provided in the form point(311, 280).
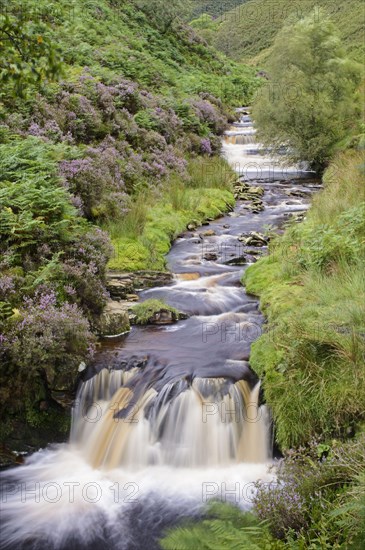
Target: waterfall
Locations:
point(209, 423)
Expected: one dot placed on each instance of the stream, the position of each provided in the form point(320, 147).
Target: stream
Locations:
point(171, 416)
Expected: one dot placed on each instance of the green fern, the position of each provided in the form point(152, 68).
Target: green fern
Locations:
point(225, 527)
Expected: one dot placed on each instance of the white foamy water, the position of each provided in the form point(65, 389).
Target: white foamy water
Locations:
point(60, 497)
point(249, 158)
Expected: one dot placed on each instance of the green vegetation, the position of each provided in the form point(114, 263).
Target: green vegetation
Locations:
point(248, 31)
point(224, 527)
point(144, 236)
point(28, 56)
point(309, 102)
point(315, 502)
point(312, 363)
point(110, 116)
point(215, 8)
point(145, 311)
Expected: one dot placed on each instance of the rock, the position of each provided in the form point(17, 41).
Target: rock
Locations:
point(253, 252)
point(210, 257)
point(132, 298)
point(255, 207)
point(191, 227)
point(209, 233)
point(163, 317)
point(298, 193)
point(166, 317)
point(256, 191)
point(246, 192)
point(183, 316)
point(240, 260)
point(82, 367)
point(120, 285)
point(114, 320)
point(254, 239)
point(226, 226)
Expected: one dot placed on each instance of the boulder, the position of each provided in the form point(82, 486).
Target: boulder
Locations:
point(163, 317)
point(114, 320)
point(121, 285)
point(210, 257)
point(254, 239)
point(209, 233)
point(240, 260)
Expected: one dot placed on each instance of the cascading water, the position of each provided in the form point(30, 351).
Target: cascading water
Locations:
point(252, 160)
point(169, 416)
point(208, 423)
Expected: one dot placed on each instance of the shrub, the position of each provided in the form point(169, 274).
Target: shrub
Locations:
point(96, 179)
point(42, 343)
point(311, 483)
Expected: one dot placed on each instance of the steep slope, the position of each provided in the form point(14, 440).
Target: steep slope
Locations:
point(247, 32)
point(114, 152)
point(215, 8)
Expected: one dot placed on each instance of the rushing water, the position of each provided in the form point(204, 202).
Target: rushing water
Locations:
point(170, 416)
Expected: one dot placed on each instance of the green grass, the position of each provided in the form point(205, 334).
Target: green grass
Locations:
point(207, 193)
point(248, 31)
point(312, 290)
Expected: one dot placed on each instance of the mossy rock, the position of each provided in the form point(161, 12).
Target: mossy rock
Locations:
point(156, 312)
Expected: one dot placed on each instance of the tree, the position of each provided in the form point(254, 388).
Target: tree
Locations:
point(309, 104)
point(28, 56)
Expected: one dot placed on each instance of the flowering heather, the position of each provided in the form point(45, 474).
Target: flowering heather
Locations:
point(49, 338)
point(205, 146)
point(7, 286)
point(97, 181)
point(308, 480)
point(282, 505)
point(210, 115)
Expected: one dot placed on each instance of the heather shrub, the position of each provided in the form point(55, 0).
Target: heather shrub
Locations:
point(97, 180)
point(209, 115)
point(165, 121)
point(311, 484)
point(41, 345)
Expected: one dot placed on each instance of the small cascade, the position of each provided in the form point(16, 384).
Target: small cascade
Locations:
point(168, 416)
point(250, 159)
point(211, 422)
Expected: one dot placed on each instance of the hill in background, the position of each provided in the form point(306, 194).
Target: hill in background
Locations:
point(248, 31)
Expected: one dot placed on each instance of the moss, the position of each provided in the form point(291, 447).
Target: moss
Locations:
point(264, 355)
point(129, 255)
point(146, 310)
point(278, 295)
